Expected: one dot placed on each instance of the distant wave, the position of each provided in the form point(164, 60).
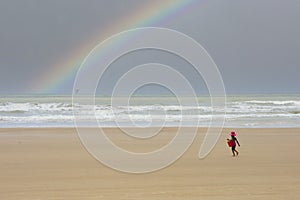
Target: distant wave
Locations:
point(271, 103)
point(27, 107)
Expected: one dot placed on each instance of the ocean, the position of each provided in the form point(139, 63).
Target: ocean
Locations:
point(241, 111)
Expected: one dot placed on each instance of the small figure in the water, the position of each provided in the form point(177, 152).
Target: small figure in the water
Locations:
point(232, 143)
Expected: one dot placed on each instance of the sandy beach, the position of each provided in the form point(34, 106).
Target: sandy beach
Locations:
point(51, 163)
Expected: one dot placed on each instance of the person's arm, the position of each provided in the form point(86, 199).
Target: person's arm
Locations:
point(237, 141)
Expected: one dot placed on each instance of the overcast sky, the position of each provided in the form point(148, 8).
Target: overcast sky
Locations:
point(255, 43)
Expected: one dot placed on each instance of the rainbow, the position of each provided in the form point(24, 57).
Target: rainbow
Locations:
point(59, 75)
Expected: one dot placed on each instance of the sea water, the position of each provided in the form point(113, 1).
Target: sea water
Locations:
point(58, 111)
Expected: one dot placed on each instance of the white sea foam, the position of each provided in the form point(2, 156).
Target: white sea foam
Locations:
point(240, 112)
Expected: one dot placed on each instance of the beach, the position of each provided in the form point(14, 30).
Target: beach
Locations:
point(51, 163)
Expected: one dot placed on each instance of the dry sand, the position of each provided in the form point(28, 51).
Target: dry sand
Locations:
point(53, 164)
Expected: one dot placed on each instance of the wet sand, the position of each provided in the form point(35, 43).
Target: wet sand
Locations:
point(51, 163)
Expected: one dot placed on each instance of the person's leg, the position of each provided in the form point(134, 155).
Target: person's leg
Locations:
point(233, 150)
point(237, 153)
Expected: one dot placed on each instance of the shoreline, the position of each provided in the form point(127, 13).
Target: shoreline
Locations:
point(115, 127)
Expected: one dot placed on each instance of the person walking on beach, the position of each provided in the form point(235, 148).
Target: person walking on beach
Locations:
point(232, 142)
